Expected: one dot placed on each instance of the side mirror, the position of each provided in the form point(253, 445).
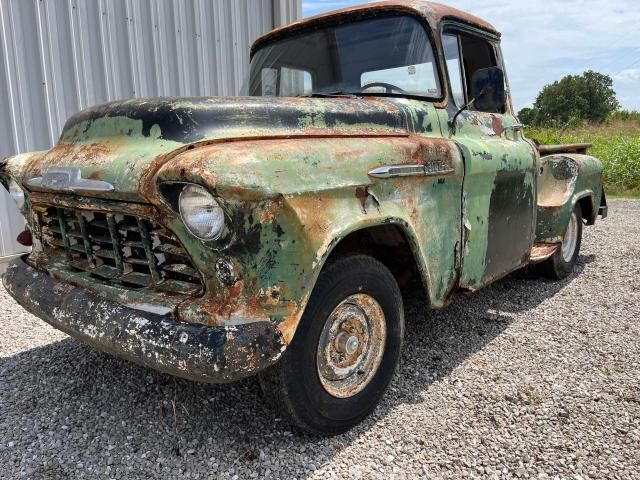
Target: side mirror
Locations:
point(487, 88)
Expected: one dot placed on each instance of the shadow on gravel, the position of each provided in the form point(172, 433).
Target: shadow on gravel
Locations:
point(71, 404)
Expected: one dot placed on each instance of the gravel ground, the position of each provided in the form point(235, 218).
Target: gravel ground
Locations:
point(527, 378)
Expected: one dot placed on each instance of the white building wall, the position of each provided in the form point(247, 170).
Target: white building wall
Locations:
point(60, 56)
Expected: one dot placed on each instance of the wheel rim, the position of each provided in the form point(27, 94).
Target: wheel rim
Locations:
point(570, 239)
point(351, 346)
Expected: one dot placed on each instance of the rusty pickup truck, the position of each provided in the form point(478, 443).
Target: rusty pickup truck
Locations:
point(269, 234)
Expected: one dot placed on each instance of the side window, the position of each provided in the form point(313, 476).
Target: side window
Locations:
point(269, 82)
point(477, 53)
point(285, 82)
point(454, 67)
point(294, 82)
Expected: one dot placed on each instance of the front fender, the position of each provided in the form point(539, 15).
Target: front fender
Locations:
point(565, 180)
point(293, 201)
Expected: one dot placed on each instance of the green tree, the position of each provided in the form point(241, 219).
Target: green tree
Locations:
point(528, 116)
point(589, 96)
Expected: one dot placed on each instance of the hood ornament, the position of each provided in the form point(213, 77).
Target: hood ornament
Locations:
point(67, 179)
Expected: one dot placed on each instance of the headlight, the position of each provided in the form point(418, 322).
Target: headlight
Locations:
point(200, 212)
point(17, 194)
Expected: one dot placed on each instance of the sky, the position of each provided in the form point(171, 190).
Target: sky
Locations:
point(544, 40)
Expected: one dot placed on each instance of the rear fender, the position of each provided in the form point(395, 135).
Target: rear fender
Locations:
point(563, 181)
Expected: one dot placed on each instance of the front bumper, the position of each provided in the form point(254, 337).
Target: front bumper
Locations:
point(196, 352)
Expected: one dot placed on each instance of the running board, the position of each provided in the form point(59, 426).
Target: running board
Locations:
point(541, 251)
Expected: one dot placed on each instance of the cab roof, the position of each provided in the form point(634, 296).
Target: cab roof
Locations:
point(434, 13)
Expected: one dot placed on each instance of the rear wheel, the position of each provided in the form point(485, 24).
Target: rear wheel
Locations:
point(561, 264)
point(345, 350)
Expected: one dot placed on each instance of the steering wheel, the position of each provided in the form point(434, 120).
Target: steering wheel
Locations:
point(389, 88)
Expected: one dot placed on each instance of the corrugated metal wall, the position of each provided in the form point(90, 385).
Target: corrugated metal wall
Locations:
point(60, 56)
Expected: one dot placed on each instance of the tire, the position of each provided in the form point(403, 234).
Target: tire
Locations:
point(561, 264)
point(326, 403)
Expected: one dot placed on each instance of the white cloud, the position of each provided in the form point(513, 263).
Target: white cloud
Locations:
point(543, 40)
point(630, 75)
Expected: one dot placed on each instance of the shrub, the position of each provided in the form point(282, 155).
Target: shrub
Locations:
point(616, 143)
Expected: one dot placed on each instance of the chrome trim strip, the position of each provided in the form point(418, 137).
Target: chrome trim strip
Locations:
point(67, 179)
point(411, 170)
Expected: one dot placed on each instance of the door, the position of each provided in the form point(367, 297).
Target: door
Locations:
point(500, 167)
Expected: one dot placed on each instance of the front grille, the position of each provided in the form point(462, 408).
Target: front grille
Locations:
point(119, 249)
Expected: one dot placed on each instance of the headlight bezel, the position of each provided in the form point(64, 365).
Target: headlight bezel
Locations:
point(206, 201)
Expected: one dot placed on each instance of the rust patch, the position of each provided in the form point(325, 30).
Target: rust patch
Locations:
point(541, 251)
point(496, 125)
point(147, 183)
point(361, 195)
point(366, 198)
point(227, 301)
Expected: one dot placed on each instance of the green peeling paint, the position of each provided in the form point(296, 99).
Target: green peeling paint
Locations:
point(293, 178)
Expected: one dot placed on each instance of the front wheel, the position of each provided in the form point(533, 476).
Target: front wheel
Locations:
point(561, 264)
point(345, 350)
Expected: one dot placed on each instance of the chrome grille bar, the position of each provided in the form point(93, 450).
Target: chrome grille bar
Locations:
point(63, 230)
point(147, 245)
point(82, 222)
point(119, 249)
point(113, 233)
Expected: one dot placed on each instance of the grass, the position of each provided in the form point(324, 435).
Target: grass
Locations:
point(616, 143)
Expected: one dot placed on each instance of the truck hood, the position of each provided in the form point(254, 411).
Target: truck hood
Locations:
point(122, 144)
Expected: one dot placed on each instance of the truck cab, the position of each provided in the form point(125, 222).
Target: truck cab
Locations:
point(269, 234)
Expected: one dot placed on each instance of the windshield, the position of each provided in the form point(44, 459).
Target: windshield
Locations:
point(384, 55)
